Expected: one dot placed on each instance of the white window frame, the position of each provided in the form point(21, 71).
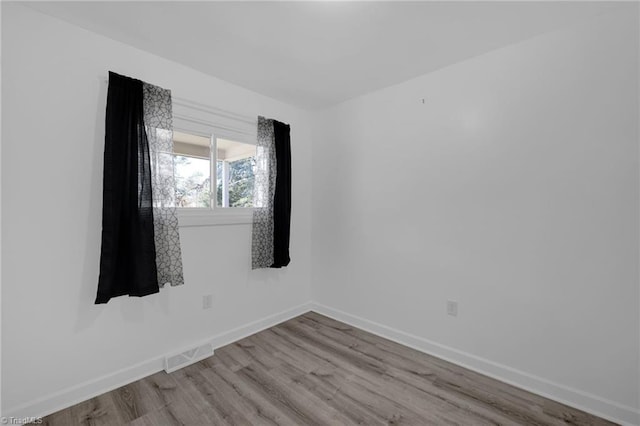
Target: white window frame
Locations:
point(213, 123)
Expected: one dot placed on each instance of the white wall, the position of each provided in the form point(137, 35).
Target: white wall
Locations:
point(513, 190)
point(53, 337)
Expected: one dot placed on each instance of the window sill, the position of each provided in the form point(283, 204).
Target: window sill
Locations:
point(209, 217)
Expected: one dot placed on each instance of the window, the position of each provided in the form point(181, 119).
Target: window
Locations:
point(214, 153)
point(213, 175)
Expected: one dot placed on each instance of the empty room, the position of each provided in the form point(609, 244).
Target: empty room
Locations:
point(320, 213)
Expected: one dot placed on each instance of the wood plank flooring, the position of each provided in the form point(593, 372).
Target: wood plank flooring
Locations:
point(313, 370)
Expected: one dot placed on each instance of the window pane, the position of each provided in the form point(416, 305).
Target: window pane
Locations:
point(235, 173)
point(192, 182)
point(241, 182)
point(193, 170)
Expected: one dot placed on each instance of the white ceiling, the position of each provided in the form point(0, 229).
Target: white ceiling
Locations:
point(314, 54)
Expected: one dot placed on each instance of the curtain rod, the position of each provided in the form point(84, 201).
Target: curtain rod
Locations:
point(220, 111)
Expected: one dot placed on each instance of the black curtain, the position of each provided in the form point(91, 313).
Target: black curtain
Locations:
point(128, 256)
point(282, 196)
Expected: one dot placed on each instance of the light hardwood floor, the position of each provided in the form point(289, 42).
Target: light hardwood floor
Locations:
point(312, 370)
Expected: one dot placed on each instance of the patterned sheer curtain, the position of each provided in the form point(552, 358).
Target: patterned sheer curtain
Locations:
point(272, 196)
point(158, 121)
point(140, 242)
point(263, 193)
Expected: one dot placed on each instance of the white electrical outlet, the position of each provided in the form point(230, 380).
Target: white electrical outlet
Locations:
point(207, 301)
point(452, 308)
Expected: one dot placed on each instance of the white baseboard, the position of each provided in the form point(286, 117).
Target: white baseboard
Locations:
point(259, 325)
point(575, 398)
point(89, 389)
point(589, 403)
point(92, 388)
